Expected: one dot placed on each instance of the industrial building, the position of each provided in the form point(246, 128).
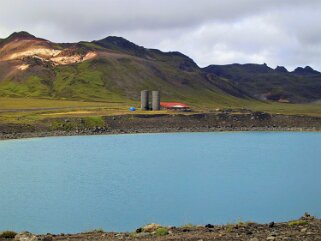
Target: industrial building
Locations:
point(174, 106)
point(144, 97)
point(157, 105)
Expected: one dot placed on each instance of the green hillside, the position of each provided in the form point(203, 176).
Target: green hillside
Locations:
point(114, 70)
point(118, 73)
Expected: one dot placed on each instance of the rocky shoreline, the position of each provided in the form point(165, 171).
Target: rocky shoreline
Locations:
point(163, 123)
point(307, 228)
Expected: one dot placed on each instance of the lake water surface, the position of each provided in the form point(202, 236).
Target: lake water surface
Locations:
point(119, 182)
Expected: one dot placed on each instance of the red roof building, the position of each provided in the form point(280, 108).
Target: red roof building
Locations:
point(174, 106)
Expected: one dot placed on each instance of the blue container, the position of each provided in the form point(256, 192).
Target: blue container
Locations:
point(132, 109)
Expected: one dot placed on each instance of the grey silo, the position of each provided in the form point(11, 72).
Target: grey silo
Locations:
point(144, 98)
point(156, 100)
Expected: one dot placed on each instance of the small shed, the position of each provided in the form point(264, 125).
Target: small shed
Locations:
point(174, 106)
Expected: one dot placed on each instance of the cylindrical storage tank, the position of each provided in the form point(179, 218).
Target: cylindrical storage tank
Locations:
point(144, 98)
point(155, 100)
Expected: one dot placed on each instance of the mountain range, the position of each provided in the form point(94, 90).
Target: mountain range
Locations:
point(114, 69)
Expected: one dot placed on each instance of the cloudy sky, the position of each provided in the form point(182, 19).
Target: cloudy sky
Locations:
point(276, 32)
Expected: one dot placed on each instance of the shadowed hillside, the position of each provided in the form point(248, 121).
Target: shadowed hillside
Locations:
point(262, 82)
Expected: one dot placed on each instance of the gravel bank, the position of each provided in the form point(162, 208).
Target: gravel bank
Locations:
point(125, 124)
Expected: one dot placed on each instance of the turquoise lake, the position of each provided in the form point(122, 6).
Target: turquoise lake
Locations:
point(120, 182)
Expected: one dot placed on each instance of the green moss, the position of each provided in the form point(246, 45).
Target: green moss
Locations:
point(8, 235)
point(189, 225)
point(94, 121)
point(96, 230)
point(71, 124)
point(162, 231)
point(64, 125)
point(229, 227)
point(298, 223)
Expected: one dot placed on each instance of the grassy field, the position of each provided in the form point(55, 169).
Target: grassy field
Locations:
point(270, 107)
point(288, 109)
point(7, 103)
point(30, 110)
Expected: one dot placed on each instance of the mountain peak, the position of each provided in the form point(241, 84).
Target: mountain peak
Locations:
point(306, 70)
point(21, 35)
point(121, 44)
point(256, 68)
point(116, 39)
point(118, 42)
point(281, 69)
point(18, 36)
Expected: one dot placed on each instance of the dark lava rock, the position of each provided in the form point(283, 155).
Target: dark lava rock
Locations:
point(139, 230)
point(271, 224)
point(47, 238)
point(261, 116)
